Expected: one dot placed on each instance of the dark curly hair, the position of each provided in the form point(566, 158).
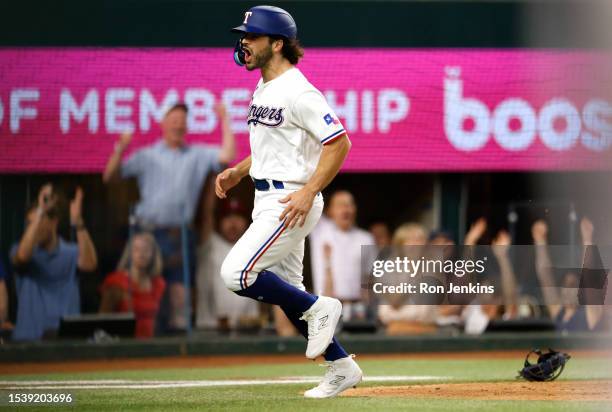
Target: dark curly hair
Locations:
point(292, 49)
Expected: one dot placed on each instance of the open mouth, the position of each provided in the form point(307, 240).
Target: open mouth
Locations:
point(247, 55)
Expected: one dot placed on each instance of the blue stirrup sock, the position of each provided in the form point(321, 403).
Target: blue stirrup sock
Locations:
point(269, 288)
point(333, 352)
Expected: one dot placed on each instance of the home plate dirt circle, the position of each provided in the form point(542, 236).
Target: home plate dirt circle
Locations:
point(536, 391)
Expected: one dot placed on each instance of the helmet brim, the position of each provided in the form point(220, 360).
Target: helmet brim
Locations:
point(243, 28)
point(239, 29)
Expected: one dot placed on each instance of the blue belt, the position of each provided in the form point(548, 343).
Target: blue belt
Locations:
point(264, 185)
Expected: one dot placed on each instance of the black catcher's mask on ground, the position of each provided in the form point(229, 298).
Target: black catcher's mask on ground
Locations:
point(548, 367)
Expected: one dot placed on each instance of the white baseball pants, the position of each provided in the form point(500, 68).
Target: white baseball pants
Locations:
point(268, 244)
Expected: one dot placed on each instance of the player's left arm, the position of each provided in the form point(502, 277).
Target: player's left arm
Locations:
point(299, 203)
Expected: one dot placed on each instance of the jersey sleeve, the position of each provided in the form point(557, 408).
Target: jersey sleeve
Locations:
point(313, 114)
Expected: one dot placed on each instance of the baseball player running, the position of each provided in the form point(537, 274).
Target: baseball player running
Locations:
point(297, 147)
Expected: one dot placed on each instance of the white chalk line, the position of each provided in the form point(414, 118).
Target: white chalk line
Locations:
point(160, 384)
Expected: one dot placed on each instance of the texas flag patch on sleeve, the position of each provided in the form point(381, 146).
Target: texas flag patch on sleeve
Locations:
point(333, 128)
point(329, 119)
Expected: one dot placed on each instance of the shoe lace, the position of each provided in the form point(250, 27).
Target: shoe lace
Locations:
point(329, 373)
point(331, 369)
point(312, 327)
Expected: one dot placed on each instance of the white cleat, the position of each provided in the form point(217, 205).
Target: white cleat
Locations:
point(322, 318)
point(341, 375)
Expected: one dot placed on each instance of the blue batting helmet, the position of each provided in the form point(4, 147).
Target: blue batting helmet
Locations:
point(268, 20)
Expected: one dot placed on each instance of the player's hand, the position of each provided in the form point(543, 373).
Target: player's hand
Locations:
point(225, 181)
point(299, 204)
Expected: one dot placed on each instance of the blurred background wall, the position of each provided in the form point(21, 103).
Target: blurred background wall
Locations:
point(446, 201)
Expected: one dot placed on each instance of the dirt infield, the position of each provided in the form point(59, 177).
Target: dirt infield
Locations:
point(507, 391)
point(229, 360)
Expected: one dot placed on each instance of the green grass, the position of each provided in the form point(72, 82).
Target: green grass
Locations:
point(288, 398)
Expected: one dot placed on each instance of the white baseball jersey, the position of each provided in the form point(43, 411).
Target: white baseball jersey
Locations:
point(289, 121)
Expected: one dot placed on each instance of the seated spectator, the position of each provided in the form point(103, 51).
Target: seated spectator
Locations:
point(409, 234)
point(217, 307)
point(137, 286)
point(440, 238)
point(4, 302)
point(381, 234)
point(46, 267)
point(417, 314)
point(563, 305)
point(442, 246)
point(400, 314)
point(336, 255)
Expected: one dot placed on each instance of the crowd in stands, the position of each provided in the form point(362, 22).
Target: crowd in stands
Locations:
point(164, 253)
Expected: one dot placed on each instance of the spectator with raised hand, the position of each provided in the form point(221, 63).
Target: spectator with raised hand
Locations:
point(171, 174)
point(563, 305)
point(501, 246)
point(469, 252)
point(586, 231)
point(46, 266)
point(594, 279)
point(478, 228)
point(137, 285)
point(475, 311)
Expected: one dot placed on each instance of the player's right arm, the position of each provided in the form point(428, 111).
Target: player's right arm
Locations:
point(114, 162)
point(230, 177)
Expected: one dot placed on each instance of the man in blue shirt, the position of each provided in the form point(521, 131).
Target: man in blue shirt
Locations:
point(3, 298)
point(170, 175)
point(46, 266)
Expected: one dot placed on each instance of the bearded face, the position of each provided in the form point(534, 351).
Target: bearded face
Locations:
point(257, 51)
